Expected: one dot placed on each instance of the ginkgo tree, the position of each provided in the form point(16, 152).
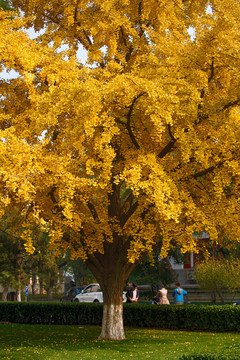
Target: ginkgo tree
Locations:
point(132, 149)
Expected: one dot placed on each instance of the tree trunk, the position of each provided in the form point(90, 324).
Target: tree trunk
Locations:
point(111, 270)
point(19, 298)
point(50, 289)
point(18, 292)
point(112, 322)
point(41, 286)
point(33, 284)
point(112, 276)
point(213, 297)
point(4, 294)
point(220, 295)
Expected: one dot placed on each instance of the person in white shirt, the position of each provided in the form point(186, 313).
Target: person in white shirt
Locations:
point(133, 294)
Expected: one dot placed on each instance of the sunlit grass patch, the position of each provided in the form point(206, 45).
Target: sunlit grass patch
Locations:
point(50, 342)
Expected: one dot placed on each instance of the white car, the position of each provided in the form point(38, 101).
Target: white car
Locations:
point(93, 293)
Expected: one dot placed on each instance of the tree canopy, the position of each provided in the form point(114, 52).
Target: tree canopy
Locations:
point(135, 147)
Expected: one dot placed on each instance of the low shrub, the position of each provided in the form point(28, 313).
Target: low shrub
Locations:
point(228, 353)
point(220, 318)
point(202, 357)
point(186, 317)
point(209, 357)
point(51, 313)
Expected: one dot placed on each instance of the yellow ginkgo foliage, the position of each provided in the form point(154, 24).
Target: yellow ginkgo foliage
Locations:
point(132, 149)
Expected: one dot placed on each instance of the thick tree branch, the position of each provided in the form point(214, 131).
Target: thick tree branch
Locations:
point(93, 211)
point(230, 104)
point(128, 125)
point(114, 201)
point(212, 72)
point(200, 115)
point(95, 265)
point(122, 36)
point(208, 170)
point(169, 146)
point(94, 260)
point(123, 40)
point(128, 201)
point(124, 218)
point(140, 20)
point(52, 195)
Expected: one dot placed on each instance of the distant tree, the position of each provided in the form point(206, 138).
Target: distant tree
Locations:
point(81, 273)
point(43, 264)
point(218, 275)
point(13, 267)
point(154, 270)
point(4, 5)
point(18, 263)
point(150, 273)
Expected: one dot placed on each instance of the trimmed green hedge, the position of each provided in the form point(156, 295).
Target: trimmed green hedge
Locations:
point(221, 318)
point(207, 357)
point(228, 353)
point(51, 313)
point(187, 317)
point(202, 357)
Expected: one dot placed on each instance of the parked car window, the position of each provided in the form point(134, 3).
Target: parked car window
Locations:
point(88, 289)
point(95, 288)
point(92, 288)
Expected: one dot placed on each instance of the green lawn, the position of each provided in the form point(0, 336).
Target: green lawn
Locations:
point(50, 342)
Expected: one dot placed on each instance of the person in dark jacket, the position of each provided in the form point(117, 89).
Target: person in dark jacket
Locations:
point(132, 294)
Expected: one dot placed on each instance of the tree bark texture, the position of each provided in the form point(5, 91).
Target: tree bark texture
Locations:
point(112, 322)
